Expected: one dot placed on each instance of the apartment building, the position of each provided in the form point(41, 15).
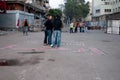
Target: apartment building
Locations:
point(106, 13)
point(42, 4)
point(18, 10)
point(102, 7)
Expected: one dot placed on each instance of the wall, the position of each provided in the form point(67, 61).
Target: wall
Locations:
point(113, 26)
point(10, 19)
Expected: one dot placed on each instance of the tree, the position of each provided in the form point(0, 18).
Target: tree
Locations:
point(54, 12)
point(76, 9)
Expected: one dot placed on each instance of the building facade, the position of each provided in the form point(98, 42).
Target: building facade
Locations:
point(18, 10)
point(89, 16)
point(102, 7)
point(106, 13)
point(43, 4)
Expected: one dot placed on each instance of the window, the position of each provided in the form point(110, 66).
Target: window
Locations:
point(108, 3)
point(98, 11)
point(107, 10)
point(119, 8)
point(116, 9)
point(103, 0)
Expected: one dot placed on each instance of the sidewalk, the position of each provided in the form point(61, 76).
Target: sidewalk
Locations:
point(2, 33)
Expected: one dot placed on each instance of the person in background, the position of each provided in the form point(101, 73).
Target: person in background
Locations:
point(76, 27)
point(86, 26)
point(71, 27)
point(81, 26)
point(25, 27)
point(58, 25)
point(48, 31)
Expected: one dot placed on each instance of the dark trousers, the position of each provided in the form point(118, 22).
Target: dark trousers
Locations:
point(80, 29)
point(75, 29)
point(48, 37)
point(45, 39)
point(71, 30)
point(25, 30)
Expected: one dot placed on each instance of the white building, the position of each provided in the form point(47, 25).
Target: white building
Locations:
point(103, 14)
point(89, 16)
point(102, 7)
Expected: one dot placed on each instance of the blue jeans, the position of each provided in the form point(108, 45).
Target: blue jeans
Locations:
point(57, 38)
point(80, 28)
point(25, 30)
point(49, 36)
point(86, 29)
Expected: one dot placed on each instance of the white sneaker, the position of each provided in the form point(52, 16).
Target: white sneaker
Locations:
point(51, 45)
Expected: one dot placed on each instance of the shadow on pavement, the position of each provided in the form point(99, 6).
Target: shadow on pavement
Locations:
point(18, 62)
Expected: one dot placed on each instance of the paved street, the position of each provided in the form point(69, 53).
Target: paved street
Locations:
point(82, 56)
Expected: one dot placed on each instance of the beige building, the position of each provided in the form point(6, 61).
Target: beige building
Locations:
point(41, 4)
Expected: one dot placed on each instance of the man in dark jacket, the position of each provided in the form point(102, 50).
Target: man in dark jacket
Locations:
point(48, 31)
point(57, 32)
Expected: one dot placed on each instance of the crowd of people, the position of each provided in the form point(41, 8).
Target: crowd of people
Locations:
point(53, 28)
point(82, 26)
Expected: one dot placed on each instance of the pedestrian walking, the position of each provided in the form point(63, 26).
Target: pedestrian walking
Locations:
point(76, 27)
point(86, 26)
point(71, 27)
point(48, 31)
point(81, 26)
point(58, 25)
point(25, 27)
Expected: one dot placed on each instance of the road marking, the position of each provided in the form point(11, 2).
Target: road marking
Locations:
point(8, 47)
point(97, 51)
point(81, 50)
